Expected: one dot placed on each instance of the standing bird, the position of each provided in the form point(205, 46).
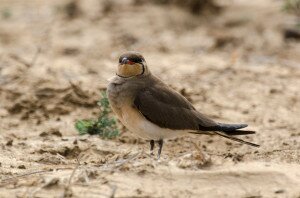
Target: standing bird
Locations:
point(154, 111)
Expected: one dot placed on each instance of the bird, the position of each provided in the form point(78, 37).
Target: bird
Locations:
point(152, 110)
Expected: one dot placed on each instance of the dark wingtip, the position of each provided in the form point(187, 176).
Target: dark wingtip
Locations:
point(242, 125)
point(230, 127)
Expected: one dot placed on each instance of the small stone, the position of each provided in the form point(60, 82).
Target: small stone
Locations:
point(9, 142)
point(279, 191)
point(51, 182)
point(21, 167)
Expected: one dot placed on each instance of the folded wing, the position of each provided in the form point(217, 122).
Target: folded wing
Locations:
point(168, 109)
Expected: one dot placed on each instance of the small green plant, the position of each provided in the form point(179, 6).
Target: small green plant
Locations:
point(6, 13)
point(292, 6)
point(105, 126)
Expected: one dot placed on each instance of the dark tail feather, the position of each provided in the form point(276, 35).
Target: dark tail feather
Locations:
point(239, 132)
point(227, 130)
point(235, 139)
point(223, 134)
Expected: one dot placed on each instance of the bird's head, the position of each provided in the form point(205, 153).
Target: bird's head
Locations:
point(132, 64)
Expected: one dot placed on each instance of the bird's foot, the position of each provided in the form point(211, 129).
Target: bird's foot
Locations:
point(160, 144)
point(151, 148)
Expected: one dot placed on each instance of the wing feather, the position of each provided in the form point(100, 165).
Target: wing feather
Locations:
point(168, 109)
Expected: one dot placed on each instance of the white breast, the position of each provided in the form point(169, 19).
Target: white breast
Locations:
point(139, 125)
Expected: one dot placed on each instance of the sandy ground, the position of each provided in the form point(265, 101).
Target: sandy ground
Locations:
point(234, 66)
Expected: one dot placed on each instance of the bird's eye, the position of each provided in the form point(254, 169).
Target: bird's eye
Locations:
point(136, 59)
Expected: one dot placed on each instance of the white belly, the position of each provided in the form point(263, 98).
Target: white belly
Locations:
point(139, 125)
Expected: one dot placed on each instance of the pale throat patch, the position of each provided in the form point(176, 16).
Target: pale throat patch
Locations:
point(127, 70)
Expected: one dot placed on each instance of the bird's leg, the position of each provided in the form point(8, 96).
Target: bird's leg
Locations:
point(160, 144)
point(151, 147)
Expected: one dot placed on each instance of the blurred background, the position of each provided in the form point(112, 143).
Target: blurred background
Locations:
point(235, 60)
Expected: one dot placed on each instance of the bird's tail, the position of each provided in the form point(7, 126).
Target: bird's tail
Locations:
point(225, 135)
point(229, 130)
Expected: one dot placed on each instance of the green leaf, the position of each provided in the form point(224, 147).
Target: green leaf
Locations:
point(83, 126)
point(105, 126)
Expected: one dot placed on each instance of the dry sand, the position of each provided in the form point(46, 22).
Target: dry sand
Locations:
point(234, 66)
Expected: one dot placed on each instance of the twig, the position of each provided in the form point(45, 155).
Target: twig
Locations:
point(127, 160)
point(67, 188)
point(197, 147)
point(19, 59)
point(78, 91)
point(35, 57)
point(113, 191)
point(23, 175)
point(23, 61)
point(73, 172)
point(7, 180)
point(49, 183)
point(202, 155)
